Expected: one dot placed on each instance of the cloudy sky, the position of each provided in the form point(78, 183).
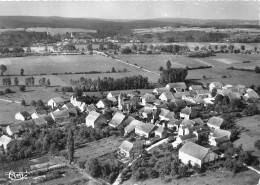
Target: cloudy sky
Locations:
point(248, 10)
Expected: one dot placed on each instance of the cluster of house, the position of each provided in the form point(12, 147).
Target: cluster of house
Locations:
point(167, 110)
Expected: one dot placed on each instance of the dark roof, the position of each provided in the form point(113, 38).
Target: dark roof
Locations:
point(60, 114)
point(117, 119)
point(128, 120)
point(91, 107)
point(40, 121)
point(194, 150)
point(58, 100)
point(25, 114)
point(199, 121)
point(186, 110)
point(179, 95)
point(172, 121)
point(188, 136)
point(69, 105)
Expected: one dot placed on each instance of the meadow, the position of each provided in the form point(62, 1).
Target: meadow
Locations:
point(55, 31)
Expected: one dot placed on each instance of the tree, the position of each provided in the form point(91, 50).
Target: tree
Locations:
point(42, 82)
point(3, 69)
point(126, 50)
point(70, 145)
point(33, 103)
point(183, 170)
point(22, 88)
point(257, 69)
point(113, 70)
point(23, 103)
point(48, 83)
point(257, 144)
point(22, 72)
point(196, 48)
point(94, 167)
point(231, 48)
point(89, 47)
point(168, 64)
point(242, 47)
point(78, 92)
point(161, 68)
point(101, 47)
point(16, 81)
point(39, 103)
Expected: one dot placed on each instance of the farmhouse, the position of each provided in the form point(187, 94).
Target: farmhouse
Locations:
point(185, 113)
point(166, 96)
point(177, 87)
point(196, 154)
point(95, 118)
point(56, 102)
point(215, 122)
point(103, 103)
point(116, 120)
point(144, 129)
point(131, 127)
point(60, 116)
point(218, 136)
point(4, 141)
point(23, 115)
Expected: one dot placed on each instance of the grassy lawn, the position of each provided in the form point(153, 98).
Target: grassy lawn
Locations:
point(97, 148)
point(211, 178)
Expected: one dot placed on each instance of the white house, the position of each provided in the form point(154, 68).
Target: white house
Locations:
point(131, 126)
point(125, 148)
point(195, 87)
point(185, 113)
point(178, 87)
point(103, 103)
point(215, 122)
point(60, 116)
point(196, 154)
point(217, 85)
point(166, 96)
point(148, 98)
point(95, 118)
point(184, 139)
point(4, 140)
point(160, 132)
point(56, 102)
point(219, 136)
point(23, 115)
point(161, 90)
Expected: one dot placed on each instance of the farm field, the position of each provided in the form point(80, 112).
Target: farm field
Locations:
point(55, 31)
point(211, 178)
point(97, 148)
point(250, 135)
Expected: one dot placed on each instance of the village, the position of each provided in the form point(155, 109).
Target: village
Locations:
point(188, 119)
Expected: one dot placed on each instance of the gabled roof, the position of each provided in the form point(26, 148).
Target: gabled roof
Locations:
point(132, 125)
point(24, 114)
point(170, 115)
point(203, 91)
point(220, 133)
point(4, 140)
point(190, 101)
point(58, 100)
point(117, 119)
point(145, 127)
point(187, 123)
point(91, 107)
point(164, 112)
point(161, 90)
point(48, 118)
point(177, 85)
point(92, 116)
point(157, 102)
point(194, 150)
point(252, 94)
point(217, 84)
point(128, 120)
point(198, 121)
point(15, 128)
point(60, 114)
point(168, 95)
point(193, 93)
point(126, 146)
point(186, 110)
point(179, 103)
point(172, 121)
point(69, 105)
point(178, 122)
point(179, 95)
point(148, 96)
point(196, 87)
point(106, 102)
point(40, 121)
point(28, 125)
point(215, 121)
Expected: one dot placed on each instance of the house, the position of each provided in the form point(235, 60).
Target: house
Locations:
point(157, 102)
point(4, 141)
point(241, 88)
point(125, 148)
point(160, 132)
point(16, 128)
point(195, 87)
point(250, 94)
point(13, 129)
point(146, 111)
point(144, 129)
point(201, 131)
point(111, 97)
point(116, 120)
point(68, 106)
point(203, 93)
point(38, 113)
point(123, 101)
point(103, 103)
point(177, 87)
point(161, 90)
point(190, 101)
point(131, 127)
point(166, 114)
point(23, 115)
point(215, 122)
point(184, 139)
point(95, 118)
point(60, 116)
point(177, 104)
point(56, 102)
point(128, 149)
point(196, 154)
point(218, 136)
point(40, 122)
point(128, 120)
point(185, 113)
point(148, 98)
point(227, 86)
point(166, 96)
point(180, 95)
point(171, 124)
point(90, 108)
point(79, 102)
point(216, 85)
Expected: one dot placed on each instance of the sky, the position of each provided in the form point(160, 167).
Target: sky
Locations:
point(247, 10)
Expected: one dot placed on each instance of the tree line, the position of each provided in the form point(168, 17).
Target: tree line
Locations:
point(109, 84)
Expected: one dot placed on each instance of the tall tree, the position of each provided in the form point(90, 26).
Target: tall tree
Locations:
point(3, 69)
point(22, 72)
point(70, 145)
point(168, 64)
point(48, 83)
point(16, 81)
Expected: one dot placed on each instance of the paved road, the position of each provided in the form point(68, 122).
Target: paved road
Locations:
point(10, 101)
